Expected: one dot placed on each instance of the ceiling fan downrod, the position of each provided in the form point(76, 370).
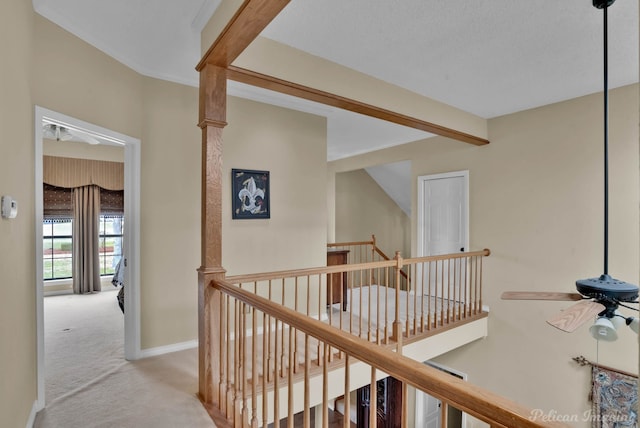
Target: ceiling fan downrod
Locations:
point(604, 5)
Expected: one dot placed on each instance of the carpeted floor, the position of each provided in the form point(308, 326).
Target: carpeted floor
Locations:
point(88, 383)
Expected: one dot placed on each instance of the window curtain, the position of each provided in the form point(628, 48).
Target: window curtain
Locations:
point(86, 217)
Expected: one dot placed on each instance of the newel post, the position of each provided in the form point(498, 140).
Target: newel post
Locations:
point(373, 248)
point(397, 325)
point(212, 120)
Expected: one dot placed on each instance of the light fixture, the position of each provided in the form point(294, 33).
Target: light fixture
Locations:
point(604, 330)
point(633, 323)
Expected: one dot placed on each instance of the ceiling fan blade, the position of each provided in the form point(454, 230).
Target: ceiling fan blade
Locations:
point(576, 315)
point(84, 136)
point(540, 295)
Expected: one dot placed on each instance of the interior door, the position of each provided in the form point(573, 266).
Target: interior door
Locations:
point(445, 215)
point(443, 229)
point(430, 414)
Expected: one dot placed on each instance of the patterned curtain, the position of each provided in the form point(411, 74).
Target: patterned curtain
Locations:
point(615, 399)
point(86, 218)
point(58, 202)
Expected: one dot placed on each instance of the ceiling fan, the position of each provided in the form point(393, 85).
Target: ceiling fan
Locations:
point(57, 132)
point(595, 296)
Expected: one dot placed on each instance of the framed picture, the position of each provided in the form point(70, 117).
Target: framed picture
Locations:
point(250, 194)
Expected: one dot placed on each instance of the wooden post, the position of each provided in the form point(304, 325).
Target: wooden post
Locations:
point(397, 325)
point(212, 115)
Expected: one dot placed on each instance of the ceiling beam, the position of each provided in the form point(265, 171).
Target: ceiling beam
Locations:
point(248, 22)
point(289, 88)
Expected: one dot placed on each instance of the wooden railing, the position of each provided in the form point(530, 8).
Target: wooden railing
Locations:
point(360, 251)
point(375, 305)
point(275, 340)
point(272, 357)
point(365, 252)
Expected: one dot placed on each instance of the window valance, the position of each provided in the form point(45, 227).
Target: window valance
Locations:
point(70, 172)
point(58, 202)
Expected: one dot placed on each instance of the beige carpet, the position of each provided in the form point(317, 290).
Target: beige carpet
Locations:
point(88, 383)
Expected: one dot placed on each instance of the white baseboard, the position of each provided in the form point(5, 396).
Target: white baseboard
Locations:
point(160, 350)
point(32, 415)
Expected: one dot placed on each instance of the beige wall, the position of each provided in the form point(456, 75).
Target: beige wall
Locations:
point(535, 201)
point(363, 209)
point(93, 87)
point(73, 78)
point(170, 213)
point(17, 246)
point(292, 147)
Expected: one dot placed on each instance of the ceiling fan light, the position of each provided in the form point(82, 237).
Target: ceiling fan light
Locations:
point(633, 323)
point(618, 320)
point(604, 330)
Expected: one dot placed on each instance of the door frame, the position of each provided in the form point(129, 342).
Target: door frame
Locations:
point(131, 240)
point(422, 218)
point(419, 409)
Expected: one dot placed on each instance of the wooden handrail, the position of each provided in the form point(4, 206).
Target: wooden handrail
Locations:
point(347, 244)
point(252, 277)
point(266, 276)
point(472, 399)
point(486, 252)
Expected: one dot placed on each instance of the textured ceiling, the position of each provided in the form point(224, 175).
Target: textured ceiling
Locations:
point(487, 57)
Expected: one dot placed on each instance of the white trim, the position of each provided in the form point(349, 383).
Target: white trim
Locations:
point(131, 247)
point(131, 243)
point(32, 415)
point(40, 401)
point(422, 179)
point(167, 349)
point(419, 411)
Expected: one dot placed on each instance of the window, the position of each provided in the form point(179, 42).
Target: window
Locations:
point(57, 245)
point(110, 243)
point(57, 235)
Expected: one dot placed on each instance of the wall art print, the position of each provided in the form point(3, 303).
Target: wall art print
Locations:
point(250, 194)
point(615, 399)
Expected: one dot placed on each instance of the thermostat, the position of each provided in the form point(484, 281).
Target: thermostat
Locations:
point(9, 207)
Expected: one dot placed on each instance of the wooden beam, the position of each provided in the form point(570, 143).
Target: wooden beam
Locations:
point(251, 18)
point(290, 88)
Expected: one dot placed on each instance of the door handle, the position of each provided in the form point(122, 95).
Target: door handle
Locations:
point(462, 249)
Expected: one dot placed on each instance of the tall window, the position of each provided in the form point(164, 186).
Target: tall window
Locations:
point(57, 244)
point(58, 241)
point(110, 243)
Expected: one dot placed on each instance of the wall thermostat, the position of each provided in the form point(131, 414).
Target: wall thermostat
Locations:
point(9, 207)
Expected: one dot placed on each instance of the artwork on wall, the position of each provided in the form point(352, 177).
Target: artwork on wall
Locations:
point(250, 194)
point(615, 399)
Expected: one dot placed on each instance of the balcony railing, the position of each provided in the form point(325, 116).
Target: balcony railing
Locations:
point(281, 351)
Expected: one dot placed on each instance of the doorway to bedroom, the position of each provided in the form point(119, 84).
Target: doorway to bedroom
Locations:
point(86, 220)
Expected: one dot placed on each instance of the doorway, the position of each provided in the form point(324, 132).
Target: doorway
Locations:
point(443, 213)
point(429, 411)
point(131, 239)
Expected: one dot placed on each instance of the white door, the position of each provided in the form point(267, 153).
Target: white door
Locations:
point(443, 229)
point(442, 212)
point(427, 411)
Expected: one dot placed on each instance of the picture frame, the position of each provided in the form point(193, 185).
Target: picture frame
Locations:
point(250, 194)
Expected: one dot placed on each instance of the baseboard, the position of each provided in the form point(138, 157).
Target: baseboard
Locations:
point(160, 350)
point(167, 349)
point(32, 415)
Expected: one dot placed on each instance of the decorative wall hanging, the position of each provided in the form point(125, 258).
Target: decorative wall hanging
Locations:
point(615, 399)
point(614, 396)
point(250, 194)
